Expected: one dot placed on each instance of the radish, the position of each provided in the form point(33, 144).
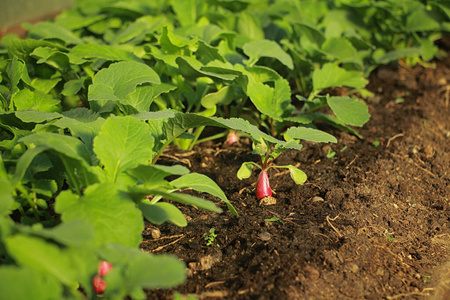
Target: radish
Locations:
point(263, 189)
point(99, 284)
point(104, 267)
point(232, 137)
point(267, 153)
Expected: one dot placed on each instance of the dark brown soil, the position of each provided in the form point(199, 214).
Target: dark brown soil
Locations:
point(374, 223)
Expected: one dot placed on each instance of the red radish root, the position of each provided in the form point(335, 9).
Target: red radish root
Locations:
point(263, 186)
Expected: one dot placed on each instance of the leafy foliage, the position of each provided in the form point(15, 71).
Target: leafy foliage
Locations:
point(89, 101)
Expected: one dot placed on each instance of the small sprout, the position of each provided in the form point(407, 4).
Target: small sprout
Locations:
point(426, 278)
point(343, 149)
point(399, 100)
point(274, 219)
point(391, 239)
point(210, 238)
point(376, 143)
point(331, 154)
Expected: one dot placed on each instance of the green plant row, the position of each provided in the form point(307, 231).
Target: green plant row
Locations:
point(90, 100)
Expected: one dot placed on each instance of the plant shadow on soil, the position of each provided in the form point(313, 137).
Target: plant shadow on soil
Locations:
point(374, 223)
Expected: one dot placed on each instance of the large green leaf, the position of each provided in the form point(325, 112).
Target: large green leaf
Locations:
point(111, 53)
point(63, 144)
point(141, 270)
point(274, 102)
point(122, 144)
point(118, 81)
point(152, 176)
point(162, 212)
point(47, 30)
point(138, 193)
point(202, 183)
point(349, 110)
point(310, 134)
point(6, 199)
point(26, 283)
point(339, 48)
point(41, 256)
point(34, 100)
point(266, 48)
point(114, 217)
point(77, 232)
point(331, 75)
point(186, 11)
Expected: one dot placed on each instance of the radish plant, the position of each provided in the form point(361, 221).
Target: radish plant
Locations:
point(268, 152)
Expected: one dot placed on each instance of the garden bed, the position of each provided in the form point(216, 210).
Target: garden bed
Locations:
point(372, 222)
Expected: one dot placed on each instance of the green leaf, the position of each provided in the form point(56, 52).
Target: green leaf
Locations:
point(274, 102)
point(26, 283)
point(72, 87)
point(246, 170)
point(45, 85)
point(122, 144)
point(191, 68)
point(186, 11)
point(85, 126)
point(350, 110)
point(33, 116)
point(202, 183)
point(397, 54)
point(140, 100)
point(77, 232)
point(114, 217)
point(118, 81)
point(249, 26)
point(110, 53)
point(63, 144)
point(422, 19)
point(266, 48)
point(174, 44)
point(297, 175)
point(310, 134)
point(339, 48)
point(6, 199)
point(224, 96)
point(152, 176)
point(37, 254)
point(162, 212)
point(17, 70)
point(24, 162)
point(47, 30)
point(330, 75)
point(34, 100)
point(142, 270)
point(140, 193)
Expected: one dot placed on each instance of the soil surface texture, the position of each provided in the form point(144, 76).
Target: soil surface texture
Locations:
point(373, 222)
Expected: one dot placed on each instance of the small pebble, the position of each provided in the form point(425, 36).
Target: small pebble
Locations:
point(317, 199)
point(265, 236)
point(156, 233)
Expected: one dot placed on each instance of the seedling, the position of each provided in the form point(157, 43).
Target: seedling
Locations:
point(426, 278)
point(376, 143)
point(210, 238)
point(274, 219)
point(391, 239)
point(267, 153)
point(331, 154)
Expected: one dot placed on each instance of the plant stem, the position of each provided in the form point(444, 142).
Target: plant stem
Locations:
point(29, 200)
point(212, 137)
